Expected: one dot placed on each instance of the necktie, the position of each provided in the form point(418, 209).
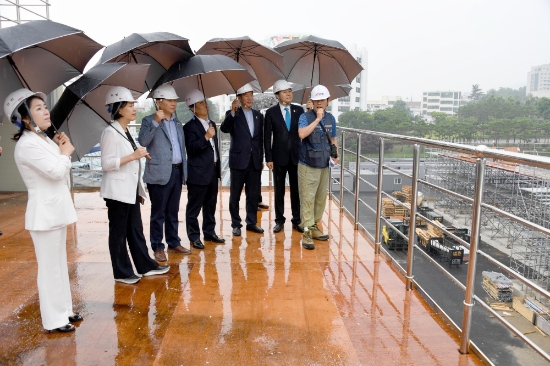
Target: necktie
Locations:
point(287, 118)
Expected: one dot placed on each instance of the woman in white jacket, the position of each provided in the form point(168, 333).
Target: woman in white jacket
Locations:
point(45, 166)
point(123, 190)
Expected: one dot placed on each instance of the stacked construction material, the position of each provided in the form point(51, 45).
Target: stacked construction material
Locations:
point(498, 286)
point(432, 232)
point(407, 192)
point(534, 305)
point(388, 207)
point(402, 197)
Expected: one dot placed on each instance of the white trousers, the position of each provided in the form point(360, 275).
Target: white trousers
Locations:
point(54, 290)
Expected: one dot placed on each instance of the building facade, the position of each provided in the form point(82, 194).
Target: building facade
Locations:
point(441, 101)
point(538, 81)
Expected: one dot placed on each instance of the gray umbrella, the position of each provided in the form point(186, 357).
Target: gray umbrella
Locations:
point(41, 55)
point(81, 112)
point(301, 93)
point(312, 60)
point(159, 49)
point(213, 74)
point(263, 63)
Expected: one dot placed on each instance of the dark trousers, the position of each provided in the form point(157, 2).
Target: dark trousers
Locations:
point(203, 197)
point(125, 226)
point(279, 176)
point(249, 179)
point(165, 205)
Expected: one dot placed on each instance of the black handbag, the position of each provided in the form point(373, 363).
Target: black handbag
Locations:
point(333, 149)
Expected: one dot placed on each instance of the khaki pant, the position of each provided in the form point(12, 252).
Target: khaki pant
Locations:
point(313, 185)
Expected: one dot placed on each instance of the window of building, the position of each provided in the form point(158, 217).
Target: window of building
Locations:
point(397, 181)
point(359, 59)
point(358, 79)
point(446, 109)
point(424, 106)
point(343, 99)
point(447, 102)
point(433, 107)
point(457, 95)
point(425, 93)
point(391, 102)
point(433, 100)
point(425, 99)
point(357, 109)
point(456, 102)
point(358, 90)
point(343, 108)
point(433, 94)
point(455, 110)
point(447, 95)
point(357, 99)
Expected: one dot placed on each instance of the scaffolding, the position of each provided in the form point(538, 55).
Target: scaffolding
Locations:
point(14, 12)
point(518, 189)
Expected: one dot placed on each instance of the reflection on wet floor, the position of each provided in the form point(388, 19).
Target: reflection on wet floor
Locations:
point(257, 299)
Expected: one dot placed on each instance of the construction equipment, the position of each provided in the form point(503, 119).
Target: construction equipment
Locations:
point(392, 239)
point(437, 243)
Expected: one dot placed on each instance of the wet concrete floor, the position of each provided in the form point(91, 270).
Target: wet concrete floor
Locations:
point(259, 299)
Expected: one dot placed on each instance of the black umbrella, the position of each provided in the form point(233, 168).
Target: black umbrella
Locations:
point(301, 93)
point(312, 60)
point(212, 74)
point(263, 63)
point(81, 112)
point(160, 50)
point(41, 55)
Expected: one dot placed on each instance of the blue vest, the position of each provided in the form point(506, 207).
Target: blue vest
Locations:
point(315, 150)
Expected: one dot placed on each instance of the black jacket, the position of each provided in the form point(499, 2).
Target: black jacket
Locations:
point(200, 154)
point(285, 144)
point(243, 145)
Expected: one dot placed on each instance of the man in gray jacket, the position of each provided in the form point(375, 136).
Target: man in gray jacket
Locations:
point(162, 134)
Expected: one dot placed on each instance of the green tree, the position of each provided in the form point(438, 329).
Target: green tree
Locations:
point(477, 93)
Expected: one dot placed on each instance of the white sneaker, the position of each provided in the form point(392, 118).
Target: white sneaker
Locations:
point(130, 280)
point(159, 270)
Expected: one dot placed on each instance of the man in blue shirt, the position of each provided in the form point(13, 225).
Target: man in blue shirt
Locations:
point(313, 166)
point(246, 154)
point(162, 134)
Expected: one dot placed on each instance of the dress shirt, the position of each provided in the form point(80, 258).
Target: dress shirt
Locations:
point(284, 112)
point(206, 125)
point(250, 119)
point(173, 135)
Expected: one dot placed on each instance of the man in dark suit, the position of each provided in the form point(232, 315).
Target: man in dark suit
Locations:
point(162, 134)
point(245, 158)
point(282, 152)
point(204, 169)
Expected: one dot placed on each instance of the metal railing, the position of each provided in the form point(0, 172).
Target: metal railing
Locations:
point(481, 154)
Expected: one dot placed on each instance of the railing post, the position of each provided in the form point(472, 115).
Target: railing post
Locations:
point(379, 196)
point(342, 174)
point(412, 217)
point(357, 183)
point(474, 241)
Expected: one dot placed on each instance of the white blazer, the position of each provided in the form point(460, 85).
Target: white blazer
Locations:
point(119, 182)
point(45, 172)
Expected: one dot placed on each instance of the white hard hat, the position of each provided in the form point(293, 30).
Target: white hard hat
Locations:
point(281, 85)
point(15, 99)
point(165, 91)
point(245, 89)
point(119, 94)
point(319, 92)
point(194, 96)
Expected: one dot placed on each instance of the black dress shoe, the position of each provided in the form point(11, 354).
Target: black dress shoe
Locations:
point(254, 228)
point(75, 318)
point(64, 329)
point(214, 238)
point(197, 244)
point(278, 228)
point(263, 205)
point(237, 231)
point(298, 228)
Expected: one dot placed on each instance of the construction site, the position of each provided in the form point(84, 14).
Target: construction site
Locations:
point(514, 188)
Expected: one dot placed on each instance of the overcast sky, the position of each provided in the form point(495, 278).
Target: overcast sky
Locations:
point(413, 45)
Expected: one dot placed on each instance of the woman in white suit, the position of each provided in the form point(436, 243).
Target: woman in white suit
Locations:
point(122, 190)
point(45, 166)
